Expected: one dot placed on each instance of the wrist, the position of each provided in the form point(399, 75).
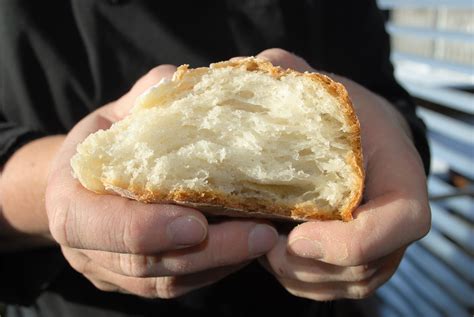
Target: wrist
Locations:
point(22, 188)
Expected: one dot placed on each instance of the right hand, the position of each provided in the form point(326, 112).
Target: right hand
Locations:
point(151, 250)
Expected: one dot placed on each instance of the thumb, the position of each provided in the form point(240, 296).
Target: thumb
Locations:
point(285, 59)
point(105, 116)
point(122, 106)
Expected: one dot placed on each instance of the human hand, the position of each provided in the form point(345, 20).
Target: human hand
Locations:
point(151, 250)
point(326, 260)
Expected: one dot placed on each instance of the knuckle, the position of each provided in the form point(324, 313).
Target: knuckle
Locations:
point(79, 262)
point(136, 245)
point(87, 267)
point(311, 277)
point(360, 290)
point(133, 238)
point(280, 270)
point(58, 207)
point(360, 273)
point(58, 224)
point(425, 222)
point(78, 266)
point(158, 72)
point(134, 265)
point(357, 252)
point(57, 227)
point(425, 228)
point(105, 287)
point(177, 265)
point(420, 213)
point(278, 267)
point(165, 287)
point(295, 292)
point(277, 52)
point(285, 59)
point(317, 296)
point(144, 288)
point(323, 297)
point(278, 261)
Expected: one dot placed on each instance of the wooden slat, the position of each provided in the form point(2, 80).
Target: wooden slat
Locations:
point(462, 164)
point(448, 126)
point(441, 274)
point(398, 304)
point(437, 87)
point(391, 4)
point(463, 206)
point(429, 33)
point(457, 229)
point(431, 291)
point(455, 67)
point(450, 253)
point(455, 99)
point(420, 304)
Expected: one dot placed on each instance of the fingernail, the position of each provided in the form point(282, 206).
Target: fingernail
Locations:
point(186, 231)
point(261, 239)
point(306, 248)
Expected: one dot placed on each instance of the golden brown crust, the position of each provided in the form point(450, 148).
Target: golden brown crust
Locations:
point(223, 204)
point(216, 203)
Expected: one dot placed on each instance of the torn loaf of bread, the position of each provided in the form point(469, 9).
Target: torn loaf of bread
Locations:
point(240, 138)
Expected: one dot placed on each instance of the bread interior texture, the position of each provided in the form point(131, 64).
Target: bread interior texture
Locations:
point(246, 137)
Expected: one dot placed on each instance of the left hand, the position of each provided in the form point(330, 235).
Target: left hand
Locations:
point(149, 250)
point(326, 260)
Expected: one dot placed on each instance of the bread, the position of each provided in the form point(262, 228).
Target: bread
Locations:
point(240, 138)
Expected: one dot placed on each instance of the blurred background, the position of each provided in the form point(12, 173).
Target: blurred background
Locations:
point(433, 54)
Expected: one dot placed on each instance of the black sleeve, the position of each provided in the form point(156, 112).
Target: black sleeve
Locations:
point(355, 44)
point(15, 130)
point(13, 136)
point(38, 89)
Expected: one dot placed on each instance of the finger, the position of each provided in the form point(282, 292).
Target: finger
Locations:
point(381, 226)
point(396, 212)
point(161, 287)
point(337, 290)
point(237, 58)
point(285, 265)
point(84, 265)
point(154, 76)
point(314, 291)
point(112, 223)
point(123, 105)
point(393, 194)
point(285, 59)
point(228, 243)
